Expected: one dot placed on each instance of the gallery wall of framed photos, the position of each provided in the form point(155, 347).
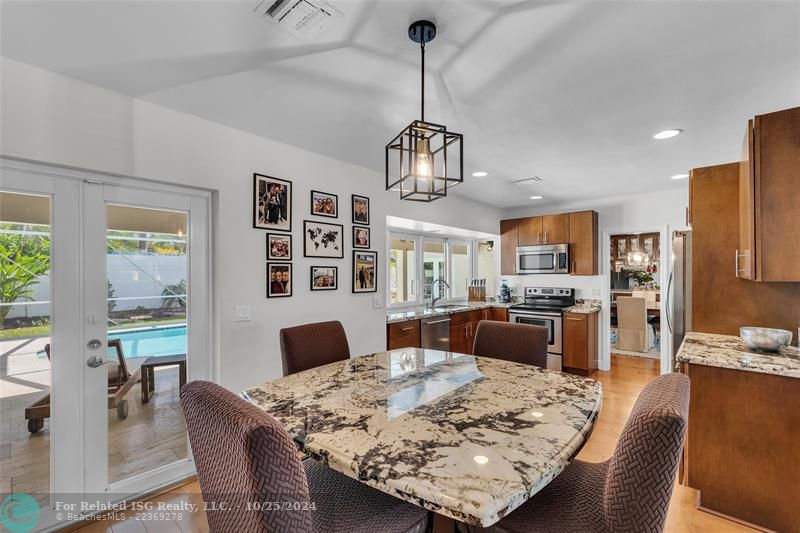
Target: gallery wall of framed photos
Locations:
point(324, 239)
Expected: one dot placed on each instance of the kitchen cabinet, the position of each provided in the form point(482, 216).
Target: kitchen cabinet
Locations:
point(530, 231)
point(769, 199)
point(462, 330)
point(579, 343)
point(741, 451)
point(552, 229)
point(583, 243)
point(403, 335)
point(555, 229)
point(499, 314)
point(509, 240)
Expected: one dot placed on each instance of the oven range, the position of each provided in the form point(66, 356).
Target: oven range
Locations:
point(543, 307)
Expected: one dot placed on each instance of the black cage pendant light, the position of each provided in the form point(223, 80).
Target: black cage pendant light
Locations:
point(424, 159)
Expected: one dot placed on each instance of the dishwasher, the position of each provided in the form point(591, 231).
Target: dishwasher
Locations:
point(436, 333)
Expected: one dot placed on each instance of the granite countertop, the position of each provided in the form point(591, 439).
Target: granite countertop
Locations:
point(727, 351)
point(413, 313)
point(585, 306)
point(467, 437)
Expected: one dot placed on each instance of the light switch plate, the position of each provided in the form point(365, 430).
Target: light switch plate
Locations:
point(243, 313)
point(377, 301)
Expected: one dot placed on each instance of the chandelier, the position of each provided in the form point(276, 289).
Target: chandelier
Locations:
point(424, 158)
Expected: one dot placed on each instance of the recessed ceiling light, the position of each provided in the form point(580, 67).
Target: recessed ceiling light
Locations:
point(481, 459)
point(667, 134)
point(479, 174)
point(537, 414)
point(679, 176)
point(536, 197)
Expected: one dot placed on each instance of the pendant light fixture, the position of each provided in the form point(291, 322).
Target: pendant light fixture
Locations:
point(424, 159)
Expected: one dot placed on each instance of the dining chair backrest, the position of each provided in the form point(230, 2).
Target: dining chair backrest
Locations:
point(313, 345)
point(243, 455)
point(641, 473)
point(519, 343)
point(632, 324)
point(648, 295)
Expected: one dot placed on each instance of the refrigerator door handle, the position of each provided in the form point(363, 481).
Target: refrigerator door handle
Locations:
point(669, 302)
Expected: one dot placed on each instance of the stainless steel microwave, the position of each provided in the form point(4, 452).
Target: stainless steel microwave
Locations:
point(543, 259)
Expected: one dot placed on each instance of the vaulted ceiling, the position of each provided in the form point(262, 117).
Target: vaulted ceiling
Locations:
point(571, 92)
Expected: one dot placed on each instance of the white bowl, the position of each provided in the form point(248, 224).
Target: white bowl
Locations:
point(767, 339)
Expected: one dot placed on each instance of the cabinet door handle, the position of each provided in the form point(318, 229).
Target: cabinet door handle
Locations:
point(736, 262)
point(409, 328)
point(578, 319)
point(546, 240)
point(539, 238)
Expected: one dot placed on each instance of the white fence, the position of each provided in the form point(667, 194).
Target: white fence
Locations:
point(137, 280)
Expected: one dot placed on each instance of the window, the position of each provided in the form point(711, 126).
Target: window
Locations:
point(402, 269)
point(416, 261)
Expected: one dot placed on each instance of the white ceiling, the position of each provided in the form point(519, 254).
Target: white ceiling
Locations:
point(568, 91)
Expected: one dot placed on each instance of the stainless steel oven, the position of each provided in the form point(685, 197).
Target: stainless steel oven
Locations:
point(542, 259)
point(549, 319)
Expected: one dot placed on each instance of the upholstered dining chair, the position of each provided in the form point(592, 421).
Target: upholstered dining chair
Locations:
point(519, 343)
point(631, 491)
point(244, 455)
point(313, 345)
point(634, 333)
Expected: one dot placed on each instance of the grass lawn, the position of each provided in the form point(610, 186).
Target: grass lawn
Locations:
point(39, 331)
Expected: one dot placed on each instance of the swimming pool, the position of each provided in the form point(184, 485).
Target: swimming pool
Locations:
point(146, 342)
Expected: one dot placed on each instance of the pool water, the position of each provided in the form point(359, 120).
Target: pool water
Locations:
point(149, 342)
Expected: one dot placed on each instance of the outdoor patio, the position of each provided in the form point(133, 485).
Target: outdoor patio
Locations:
point(152, 435)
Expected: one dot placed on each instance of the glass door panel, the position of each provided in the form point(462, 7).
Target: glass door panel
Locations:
point(25, 369)
point(147, 293)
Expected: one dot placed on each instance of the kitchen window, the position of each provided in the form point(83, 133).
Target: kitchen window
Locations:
point(417, 260)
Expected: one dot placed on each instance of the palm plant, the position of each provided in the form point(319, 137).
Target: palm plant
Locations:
point(23, 260)
point(174, 296)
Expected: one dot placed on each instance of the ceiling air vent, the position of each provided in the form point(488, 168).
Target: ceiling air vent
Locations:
point(305, 18)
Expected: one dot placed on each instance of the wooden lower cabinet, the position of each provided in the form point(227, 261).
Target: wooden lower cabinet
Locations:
point(403, 335)
point(742, 448)
point(499, 314)
point(579, 343)
point(462, 330)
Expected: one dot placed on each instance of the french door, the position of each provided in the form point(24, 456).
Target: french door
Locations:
point(124, 305)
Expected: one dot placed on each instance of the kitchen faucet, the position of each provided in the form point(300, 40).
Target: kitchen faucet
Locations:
point(433, 298)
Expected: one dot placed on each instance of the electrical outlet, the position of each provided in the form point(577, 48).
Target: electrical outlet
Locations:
point(243, 313)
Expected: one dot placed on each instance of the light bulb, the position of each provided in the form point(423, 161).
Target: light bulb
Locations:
point(423, 159)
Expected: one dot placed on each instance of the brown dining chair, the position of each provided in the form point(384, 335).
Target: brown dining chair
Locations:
point(313, 345)
point(630, 491)
point(519, 343)
point(246, 460)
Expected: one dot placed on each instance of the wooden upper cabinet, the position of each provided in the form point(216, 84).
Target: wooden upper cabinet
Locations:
point(509, 240)
point(772, 179)
point(746, 253)
point(555, 229)
point(530, 231)
point(583, 243)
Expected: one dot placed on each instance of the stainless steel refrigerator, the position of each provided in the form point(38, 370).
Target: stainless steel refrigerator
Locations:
point(679, 290)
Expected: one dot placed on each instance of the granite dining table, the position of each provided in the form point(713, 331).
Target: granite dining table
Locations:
point(469, 438)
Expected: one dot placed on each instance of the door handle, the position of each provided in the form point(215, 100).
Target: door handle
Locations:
point(736, 262)
point(95, 362)
point(668, 305)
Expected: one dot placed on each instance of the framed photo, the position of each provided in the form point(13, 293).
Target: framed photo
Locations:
point(321, 239)
point(324, 204)
point(324, 278)
point(272, 203)
point(360, 210)
point(360, 237)
point(279, 280)
point(365, 271)
point(279, 247)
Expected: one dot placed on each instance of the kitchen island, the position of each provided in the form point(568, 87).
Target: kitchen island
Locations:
point(742, 451)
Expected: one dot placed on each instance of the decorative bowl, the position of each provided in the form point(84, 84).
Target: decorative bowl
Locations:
point(767, 339)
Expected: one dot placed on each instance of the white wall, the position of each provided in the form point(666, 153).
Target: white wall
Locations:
point(662, 210)
point(50, 118)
